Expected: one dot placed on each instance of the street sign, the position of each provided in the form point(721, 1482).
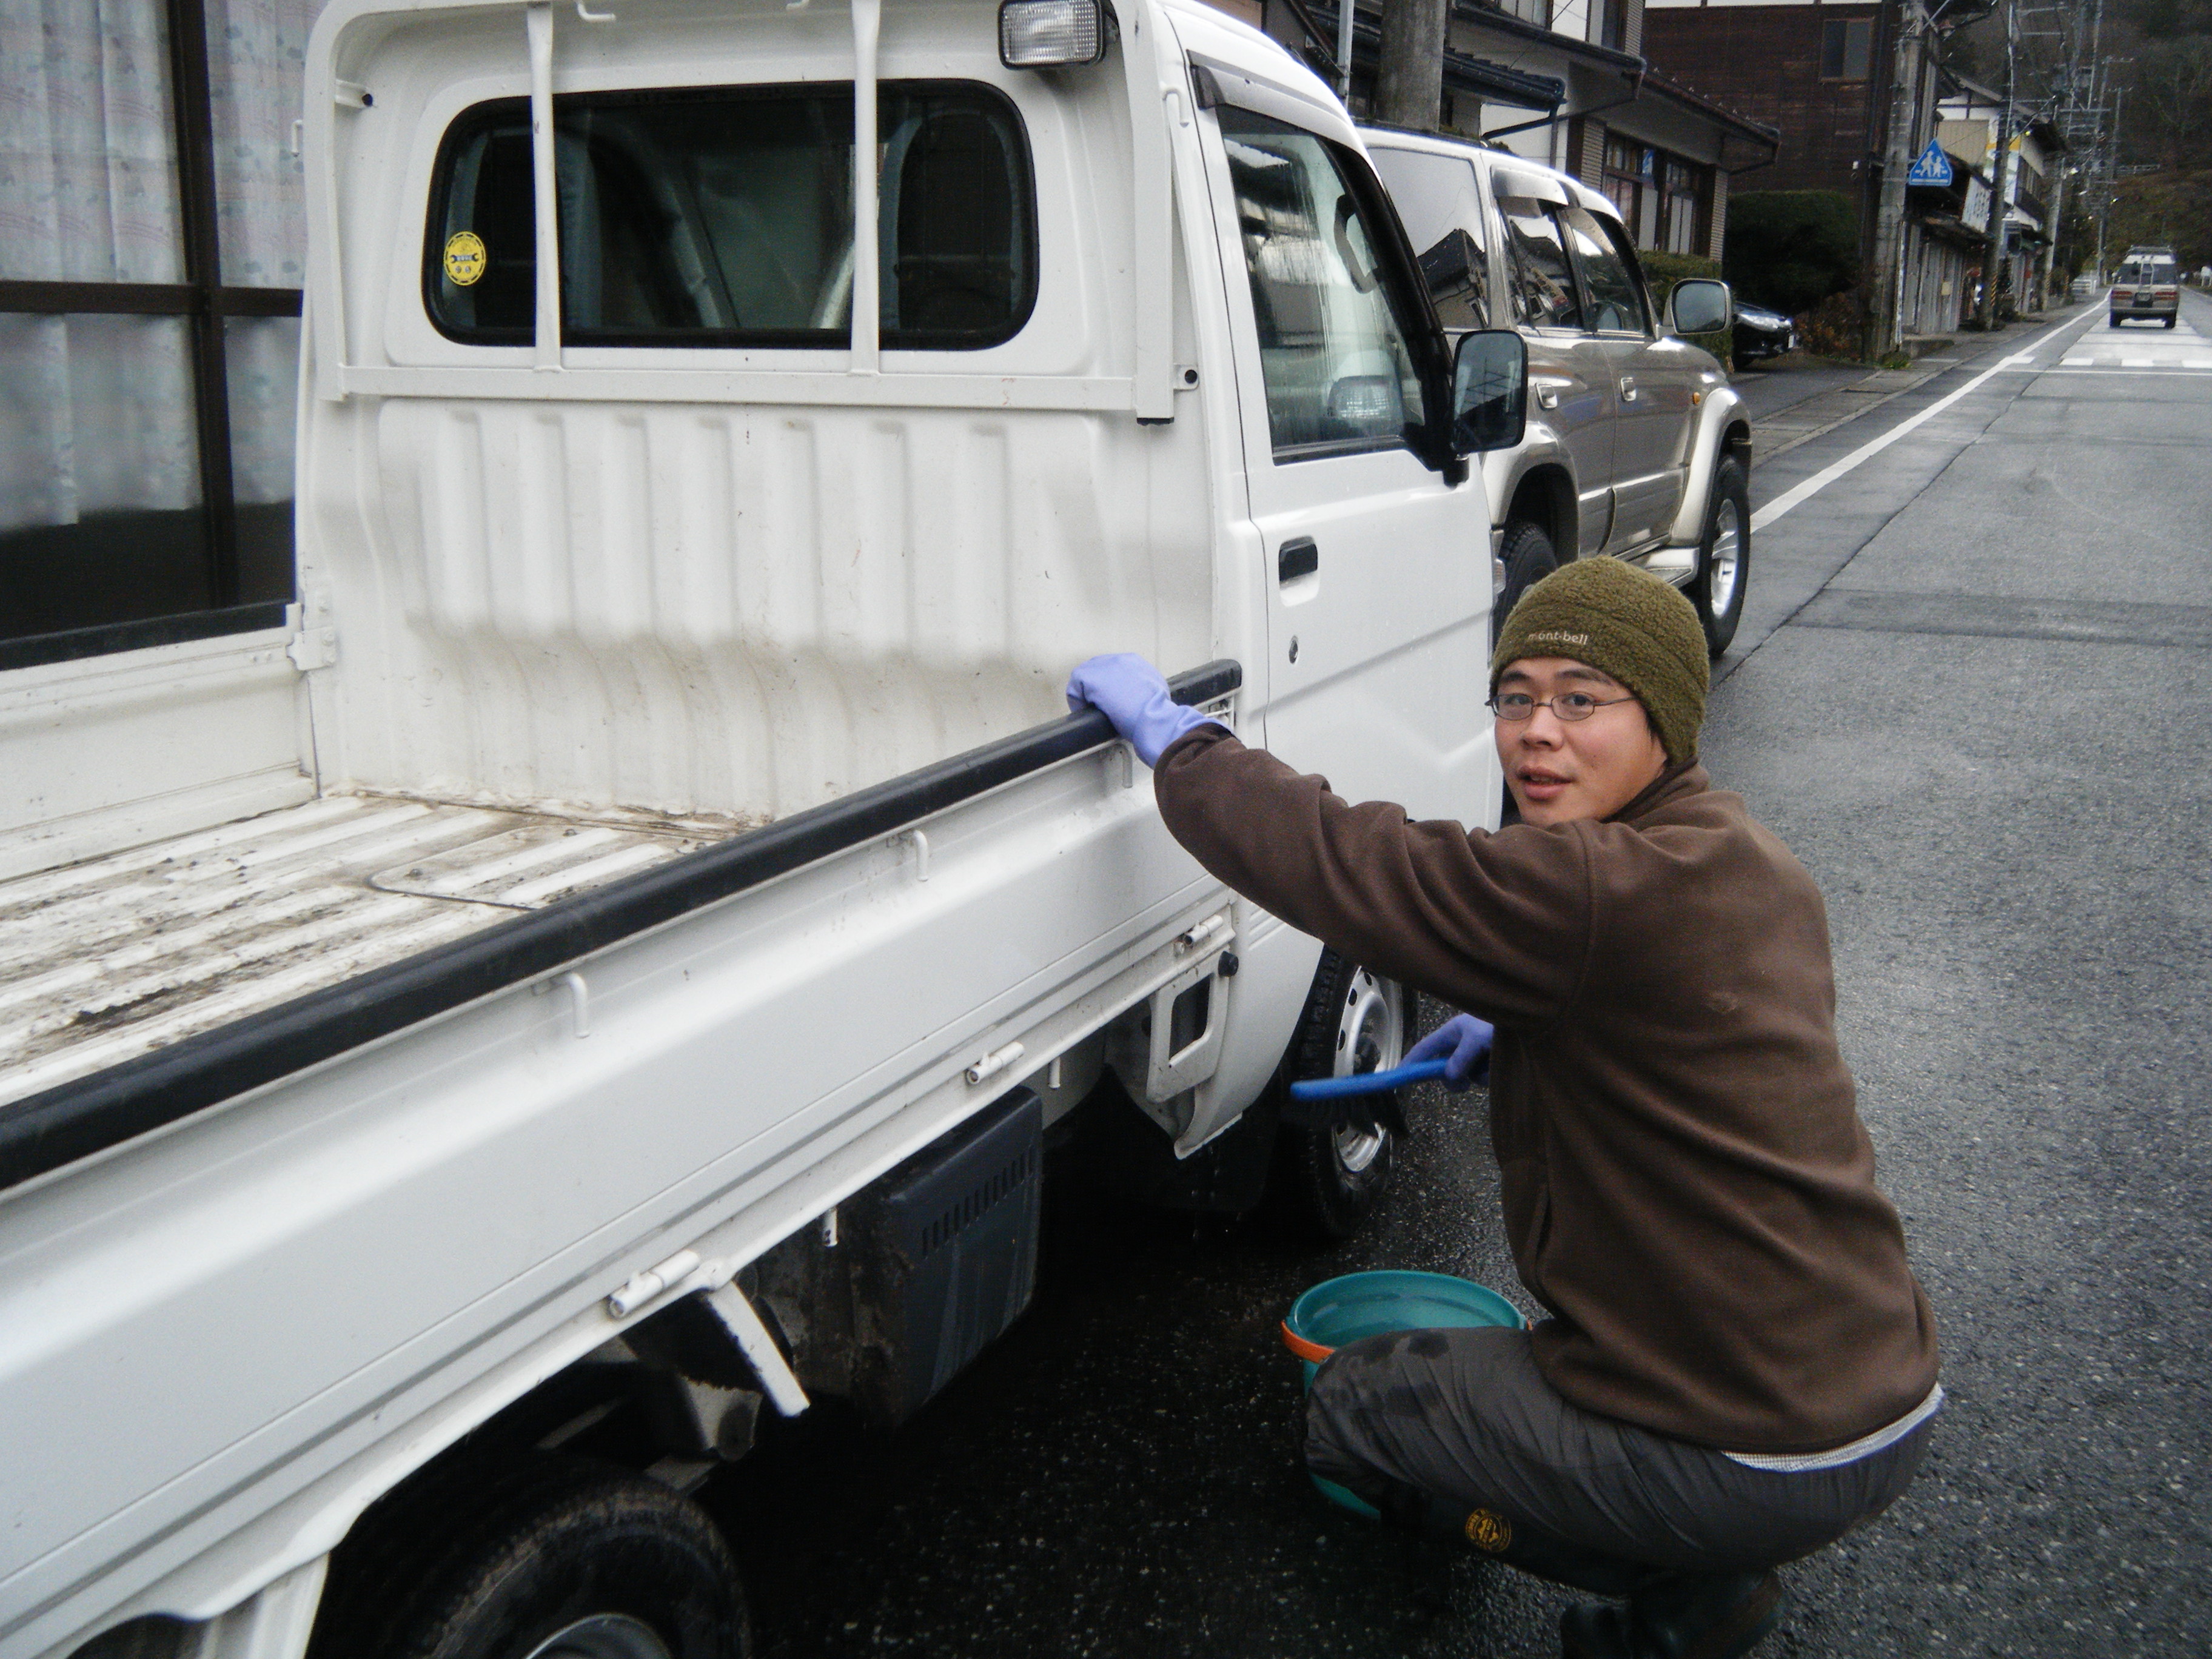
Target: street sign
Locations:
point(1933, 167)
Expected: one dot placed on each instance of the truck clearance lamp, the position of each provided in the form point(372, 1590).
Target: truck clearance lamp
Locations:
point(1051, 33)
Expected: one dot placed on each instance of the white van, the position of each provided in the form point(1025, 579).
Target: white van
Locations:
point(618, 951)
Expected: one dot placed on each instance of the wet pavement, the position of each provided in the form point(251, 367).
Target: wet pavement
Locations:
point(1973, 692)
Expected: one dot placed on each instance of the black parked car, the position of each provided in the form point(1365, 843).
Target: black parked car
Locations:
point(1759, 332)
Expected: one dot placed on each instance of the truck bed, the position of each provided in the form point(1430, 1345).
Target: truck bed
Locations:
point(103, 961)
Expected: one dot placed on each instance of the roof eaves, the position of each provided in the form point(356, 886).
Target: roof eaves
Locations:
point(1488, 17)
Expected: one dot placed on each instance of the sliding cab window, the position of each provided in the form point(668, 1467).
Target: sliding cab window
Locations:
point(1333, 352)
point(724, 217)
point(1543, 283)
point(1612, 292)
point(1439, 202)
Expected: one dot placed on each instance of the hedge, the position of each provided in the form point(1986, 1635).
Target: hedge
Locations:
point(1790, 249)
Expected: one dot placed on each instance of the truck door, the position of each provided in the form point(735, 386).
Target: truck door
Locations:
point(1570, 381)
point(1377, 570)
point(1651, 382)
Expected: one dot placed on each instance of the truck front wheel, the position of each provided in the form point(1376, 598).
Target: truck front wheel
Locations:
point(562, 1559)
point(1331, 1176)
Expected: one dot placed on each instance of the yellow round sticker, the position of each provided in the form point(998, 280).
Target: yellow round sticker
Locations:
point(465, 257)
point(1490, 1531)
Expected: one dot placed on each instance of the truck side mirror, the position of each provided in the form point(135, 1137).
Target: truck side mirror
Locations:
point(1698, 306)
point(1490, 391)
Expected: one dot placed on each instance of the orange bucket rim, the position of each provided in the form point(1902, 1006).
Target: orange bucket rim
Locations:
point(1305, 1347)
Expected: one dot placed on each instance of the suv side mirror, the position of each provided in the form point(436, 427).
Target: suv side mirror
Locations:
point(1698, 306)
point(1490, 391)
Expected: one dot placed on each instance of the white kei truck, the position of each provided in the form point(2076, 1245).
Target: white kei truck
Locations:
point(615, 956)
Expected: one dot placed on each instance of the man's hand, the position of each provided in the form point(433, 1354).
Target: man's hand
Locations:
point(1134, 694)
point(1462, 1042)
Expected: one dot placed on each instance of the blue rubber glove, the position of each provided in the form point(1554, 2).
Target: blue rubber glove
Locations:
point(1134, 694)
point(1462, 1042)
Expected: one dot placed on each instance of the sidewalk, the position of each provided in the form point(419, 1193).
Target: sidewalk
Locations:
point(1785, 429)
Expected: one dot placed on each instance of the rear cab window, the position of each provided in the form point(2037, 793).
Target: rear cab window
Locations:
point(723, 216)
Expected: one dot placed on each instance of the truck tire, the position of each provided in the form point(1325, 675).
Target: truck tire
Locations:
point(1330, 1178)
point(1723, 556)
point(1527, 556)
point(559, 1557)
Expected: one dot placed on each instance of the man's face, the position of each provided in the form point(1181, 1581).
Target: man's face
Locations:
point(1561, 771)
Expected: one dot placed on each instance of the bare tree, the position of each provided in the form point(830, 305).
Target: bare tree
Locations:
point(1409, 92)
point(2174, 81)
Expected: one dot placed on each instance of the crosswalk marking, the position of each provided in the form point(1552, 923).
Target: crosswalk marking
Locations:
point(2181, 348)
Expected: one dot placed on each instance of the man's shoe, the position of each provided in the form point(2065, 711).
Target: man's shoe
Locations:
point(1678, 1616)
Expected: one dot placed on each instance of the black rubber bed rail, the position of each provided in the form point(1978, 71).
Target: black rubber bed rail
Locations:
point(88, 1115)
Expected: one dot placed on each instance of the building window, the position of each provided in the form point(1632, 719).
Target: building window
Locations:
point(1538, 12)
point(1611, 17)
point(149, 302)
point(1629, 183)
point(1685, 206)
point(1846, 49)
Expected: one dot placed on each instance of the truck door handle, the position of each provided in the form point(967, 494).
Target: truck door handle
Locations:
point(1628, 388)
point(1297, 557)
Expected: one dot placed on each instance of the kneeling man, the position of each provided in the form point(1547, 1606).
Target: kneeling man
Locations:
point(1736, 1366)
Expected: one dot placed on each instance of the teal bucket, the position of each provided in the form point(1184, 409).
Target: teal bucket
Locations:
point(1340, 1310)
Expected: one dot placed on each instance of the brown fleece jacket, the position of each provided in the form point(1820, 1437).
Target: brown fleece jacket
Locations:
point(1687, 1187)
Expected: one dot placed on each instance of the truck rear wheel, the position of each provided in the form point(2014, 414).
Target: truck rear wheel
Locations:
point(1330, 1178)
point(564, 1559)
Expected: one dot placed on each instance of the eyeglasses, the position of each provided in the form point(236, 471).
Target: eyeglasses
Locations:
point(1566, 705)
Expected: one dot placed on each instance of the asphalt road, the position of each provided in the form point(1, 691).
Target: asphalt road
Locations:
point(1972, 693)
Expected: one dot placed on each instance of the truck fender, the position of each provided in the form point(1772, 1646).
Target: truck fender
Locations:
point(1721, 429)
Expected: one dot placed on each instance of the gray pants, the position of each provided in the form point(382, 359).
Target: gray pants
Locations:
point(1457, 1430)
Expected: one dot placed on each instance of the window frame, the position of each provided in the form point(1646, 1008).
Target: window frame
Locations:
point(1842, 74)
point(206, 301)
point(474, 117)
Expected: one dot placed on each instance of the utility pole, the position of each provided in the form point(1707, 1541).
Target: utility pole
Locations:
point(2001, 172)
point(1345, 12)
point(2104, 184)
point(1901, 146)
point(1409, 89)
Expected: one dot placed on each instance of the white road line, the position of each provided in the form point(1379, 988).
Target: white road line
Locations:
point(2135, 373)
point(1797, 495)
point(2138, 362)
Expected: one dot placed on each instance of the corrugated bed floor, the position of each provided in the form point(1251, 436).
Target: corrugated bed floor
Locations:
point(102, 960)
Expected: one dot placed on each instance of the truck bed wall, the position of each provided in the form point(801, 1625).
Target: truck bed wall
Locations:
point(710, 600)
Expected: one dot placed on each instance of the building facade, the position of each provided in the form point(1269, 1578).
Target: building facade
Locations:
point(149, 302)
point(1822, 73)
point(1566, 82)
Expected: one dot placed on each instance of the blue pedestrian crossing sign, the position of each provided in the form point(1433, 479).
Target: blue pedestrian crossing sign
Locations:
point(1933, 167)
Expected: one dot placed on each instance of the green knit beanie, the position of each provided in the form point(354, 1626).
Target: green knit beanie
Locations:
point(1623, 622)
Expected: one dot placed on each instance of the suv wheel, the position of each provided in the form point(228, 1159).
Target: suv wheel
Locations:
point(1527, 556)
point(1723, 556)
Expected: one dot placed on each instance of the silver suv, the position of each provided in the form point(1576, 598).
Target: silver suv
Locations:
point(1636, 444)
point(2146, 284)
